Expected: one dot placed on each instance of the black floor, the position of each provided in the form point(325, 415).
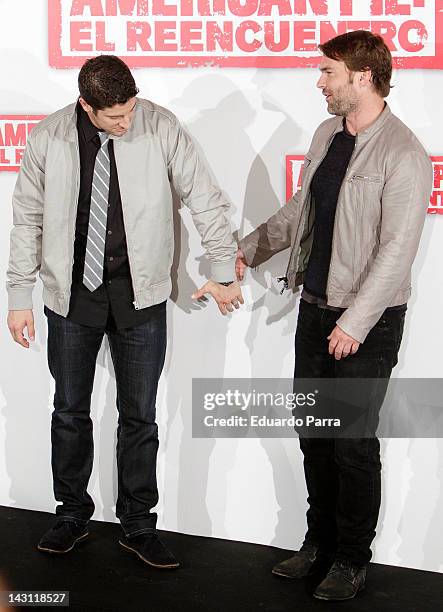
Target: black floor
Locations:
point(215, 575)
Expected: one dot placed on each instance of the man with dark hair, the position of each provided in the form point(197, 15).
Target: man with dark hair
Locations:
point(105, 81)
point(93, 214)
point(353, 230)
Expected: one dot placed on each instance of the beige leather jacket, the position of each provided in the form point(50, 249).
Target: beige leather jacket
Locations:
point(154, 151)
point(379, 219)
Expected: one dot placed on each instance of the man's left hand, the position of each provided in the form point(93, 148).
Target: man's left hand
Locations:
point(340, 344)
point(227, 298)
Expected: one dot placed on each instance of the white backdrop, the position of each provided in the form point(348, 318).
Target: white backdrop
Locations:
point(245, 121)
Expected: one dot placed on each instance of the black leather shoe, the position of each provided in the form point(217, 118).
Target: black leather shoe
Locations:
point(150, 549)
point(62, 537)
point(343, 581)
point(299, 565)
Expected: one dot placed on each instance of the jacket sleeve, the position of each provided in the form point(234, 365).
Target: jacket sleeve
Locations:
point(26, 234)
point(273, 235)
point(277, 233)
point(206, 202)
point(404, 203)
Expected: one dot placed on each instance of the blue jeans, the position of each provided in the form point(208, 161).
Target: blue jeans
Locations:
point(138, 355)
point(343, 474)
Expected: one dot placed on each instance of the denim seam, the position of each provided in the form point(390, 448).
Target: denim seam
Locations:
point(73, 519)
point(139, 531)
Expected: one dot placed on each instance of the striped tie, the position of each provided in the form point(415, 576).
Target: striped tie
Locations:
point(98, 213)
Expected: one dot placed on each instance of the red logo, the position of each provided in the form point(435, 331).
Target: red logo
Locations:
point(14, 132)
point(238, 33)
point(294, 164)
point(436, 204)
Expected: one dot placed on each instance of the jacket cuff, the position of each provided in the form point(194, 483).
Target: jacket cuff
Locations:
point(353, 329)
point(223, 271)
point(19, 298)
point(248, 249)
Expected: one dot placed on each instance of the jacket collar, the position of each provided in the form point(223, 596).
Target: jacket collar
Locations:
point(86, 126)
point(370, 130)
point(71, 125)
point(377, 124)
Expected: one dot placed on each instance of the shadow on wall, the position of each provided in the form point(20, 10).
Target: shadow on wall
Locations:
point(25, 384)
point(197, 347)
point(270, 308)
point(220, 129)
point(419, 538)
point(432, 478)
point(18, 67)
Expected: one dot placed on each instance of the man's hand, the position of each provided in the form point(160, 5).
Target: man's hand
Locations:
point(227, 298)
point(240, 265)
point(340, 344)
point(17, 321)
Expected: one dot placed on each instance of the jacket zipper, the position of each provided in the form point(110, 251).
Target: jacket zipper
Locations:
point(361, 177)
point(74, 208)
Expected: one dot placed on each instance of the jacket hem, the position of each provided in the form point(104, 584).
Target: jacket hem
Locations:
point(345, 299)
point(155, 294)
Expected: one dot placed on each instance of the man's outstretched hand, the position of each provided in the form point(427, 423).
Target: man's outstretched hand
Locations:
point(17, 321)
point(240, 265)
point(227, 298)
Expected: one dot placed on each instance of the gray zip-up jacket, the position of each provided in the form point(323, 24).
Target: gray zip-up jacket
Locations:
point(154, 152)
point(379, 218)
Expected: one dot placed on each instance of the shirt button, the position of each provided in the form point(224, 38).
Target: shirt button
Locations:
point(111, 259)
point(109, 282)
point(109, 232)
point(109, 206)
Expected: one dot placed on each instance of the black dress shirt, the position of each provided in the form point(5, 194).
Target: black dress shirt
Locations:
point(112, 302)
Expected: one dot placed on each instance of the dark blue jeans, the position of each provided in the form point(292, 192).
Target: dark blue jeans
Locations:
point(138, 355)
point(343, 474)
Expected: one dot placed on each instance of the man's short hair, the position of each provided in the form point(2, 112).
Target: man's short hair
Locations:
point(106, 80)
point(363, 50)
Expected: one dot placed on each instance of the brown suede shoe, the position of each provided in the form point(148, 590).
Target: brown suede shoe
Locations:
point(299, 565)
point(62, 537)
point(343, 581)
point(150, 549)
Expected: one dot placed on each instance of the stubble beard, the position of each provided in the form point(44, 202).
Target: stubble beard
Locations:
point(343, 103)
